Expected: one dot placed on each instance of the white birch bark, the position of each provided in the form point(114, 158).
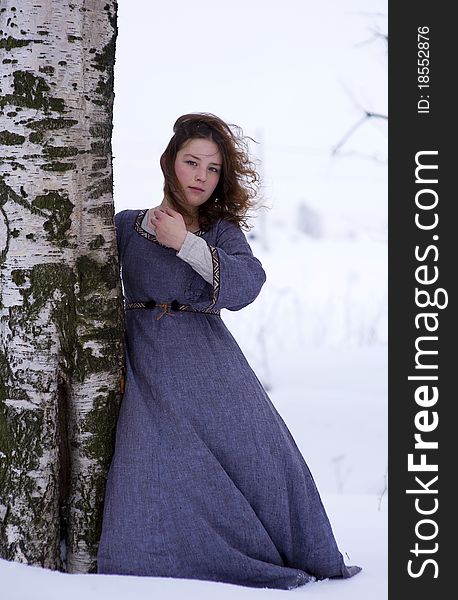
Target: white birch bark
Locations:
point(60, 299)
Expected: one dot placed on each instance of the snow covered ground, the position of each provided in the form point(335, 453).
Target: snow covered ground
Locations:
point(358, 524)
point(334, 402)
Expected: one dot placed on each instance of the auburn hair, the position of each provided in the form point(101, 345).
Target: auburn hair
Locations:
point(238, 185)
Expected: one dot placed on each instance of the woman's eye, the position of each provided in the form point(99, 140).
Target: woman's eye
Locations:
point(191, 162)
point(214, 169)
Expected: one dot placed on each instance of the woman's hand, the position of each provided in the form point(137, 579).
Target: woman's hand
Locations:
point(170, 227)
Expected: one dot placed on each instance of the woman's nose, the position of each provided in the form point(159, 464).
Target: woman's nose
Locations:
point(201, 174)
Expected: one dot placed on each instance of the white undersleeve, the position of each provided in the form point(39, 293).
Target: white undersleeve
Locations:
point(195, 252)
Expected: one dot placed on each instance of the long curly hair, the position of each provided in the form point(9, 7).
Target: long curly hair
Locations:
point(237, 189)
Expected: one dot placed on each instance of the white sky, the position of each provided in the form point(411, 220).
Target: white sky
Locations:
point(293, 74)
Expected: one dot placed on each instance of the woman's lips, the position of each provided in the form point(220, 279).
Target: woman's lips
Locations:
point(196, 189)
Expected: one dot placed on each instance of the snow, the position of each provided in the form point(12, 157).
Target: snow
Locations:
point(366, 546)
point(334, 402)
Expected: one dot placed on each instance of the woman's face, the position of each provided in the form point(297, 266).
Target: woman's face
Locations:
point(198, 166)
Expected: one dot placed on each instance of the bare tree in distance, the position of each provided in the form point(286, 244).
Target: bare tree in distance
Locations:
point(365, 114)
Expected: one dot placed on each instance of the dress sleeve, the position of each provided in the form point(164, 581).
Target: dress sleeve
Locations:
point(238, 276)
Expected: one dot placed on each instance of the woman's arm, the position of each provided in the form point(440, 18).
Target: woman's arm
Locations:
point(195, 252)
point(237, 275)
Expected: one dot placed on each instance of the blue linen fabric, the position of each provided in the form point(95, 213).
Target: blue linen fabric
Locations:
point(206, 480)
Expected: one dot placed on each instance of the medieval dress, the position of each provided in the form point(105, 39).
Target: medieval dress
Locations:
point(206, 480)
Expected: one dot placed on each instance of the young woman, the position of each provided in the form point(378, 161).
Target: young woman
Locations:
point(206, 481)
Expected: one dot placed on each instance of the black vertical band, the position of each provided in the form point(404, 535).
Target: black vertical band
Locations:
point(422, 300)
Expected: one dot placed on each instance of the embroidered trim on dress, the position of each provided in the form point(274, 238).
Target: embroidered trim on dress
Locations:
point(150, 236)
point(216, 277)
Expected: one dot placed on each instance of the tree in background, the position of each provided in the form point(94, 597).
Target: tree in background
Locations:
point(365, 115)
point(60, 302)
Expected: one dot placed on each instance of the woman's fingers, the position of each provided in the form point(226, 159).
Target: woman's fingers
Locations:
point(157, 213)
point(174, 214)
point(169, 226)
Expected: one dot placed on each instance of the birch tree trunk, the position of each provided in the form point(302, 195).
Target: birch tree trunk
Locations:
point(61, 324)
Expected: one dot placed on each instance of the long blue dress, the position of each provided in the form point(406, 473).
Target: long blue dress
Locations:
point(206, 481)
